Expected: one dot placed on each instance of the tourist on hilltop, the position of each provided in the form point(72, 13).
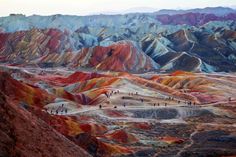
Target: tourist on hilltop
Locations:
point(107, 95)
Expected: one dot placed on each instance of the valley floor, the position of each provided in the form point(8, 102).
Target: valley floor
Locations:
point(119, 114)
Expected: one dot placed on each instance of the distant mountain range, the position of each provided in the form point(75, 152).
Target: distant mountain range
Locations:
point(168, 40)
point(128, 11)
point(219, 11)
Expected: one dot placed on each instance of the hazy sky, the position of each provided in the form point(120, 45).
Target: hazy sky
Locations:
point(85, 7)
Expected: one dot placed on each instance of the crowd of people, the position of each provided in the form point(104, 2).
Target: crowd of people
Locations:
point(108, 95)
point(61, 109)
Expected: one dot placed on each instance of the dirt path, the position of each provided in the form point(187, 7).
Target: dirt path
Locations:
point(188, 145)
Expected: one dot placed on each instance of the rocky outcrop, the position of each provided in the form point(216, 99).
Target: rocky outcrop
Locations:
point(121, 56)
point(23, 46)
point(22, 92)
point(183, 61)
point(24, 134)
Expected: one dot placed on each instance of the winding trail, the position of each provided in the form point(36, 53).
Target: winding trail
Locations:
point(188, 145)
